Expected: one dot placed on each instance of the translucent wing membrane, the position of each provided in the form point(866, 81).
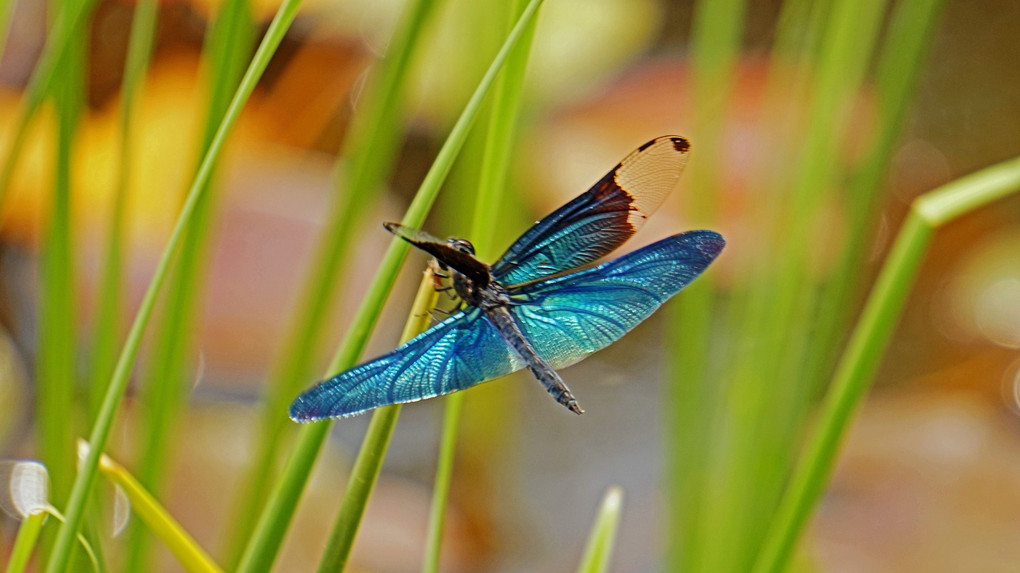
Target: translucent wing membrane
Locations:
point(461, 351)
point(601, 219)
point(569, 317)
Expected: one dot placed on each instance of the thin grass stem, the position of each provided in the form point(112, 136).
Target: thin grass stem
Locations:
point(766, 403)
point(118, 383)
point(268, 535)
point(184, 548)
point(376, 441)
point(55, 371)
point(24, 543)
point(867, 344)
point(367, 156)
point(109, 314)
point(598, 553)
point(69, 21)
point(691, 396)
point(500, 137)
point(227, 50)
point(899, 67)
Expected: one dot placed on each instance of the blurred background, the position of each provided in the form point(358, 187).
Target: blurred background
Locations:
point(930, 476)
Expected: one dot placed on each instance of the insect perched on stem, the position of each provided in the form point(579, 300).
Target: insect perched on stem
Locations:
point(531, 309)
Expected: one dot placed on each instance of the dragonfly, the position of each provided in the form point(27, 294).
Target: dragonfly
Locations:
point(542, 306)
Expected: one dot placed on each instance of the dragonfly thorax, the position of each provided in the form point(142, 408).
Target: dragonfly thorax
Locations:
point(487, 297)
point(492, 294)
point(488, 294)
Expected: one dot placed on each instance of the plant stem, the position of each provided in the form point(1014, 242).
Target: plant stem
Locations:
point(109, 313)
point(373, 447)
point(598, 553)
point(500, 138)
point(265, 542)
point(690, 395)
point(28, 534)
point(189, 554)
point(69, 20)
point(868, 342)
point(104, 421)
point(168, 370)
point(368, 155)
point(899, 67)
point(55, 360)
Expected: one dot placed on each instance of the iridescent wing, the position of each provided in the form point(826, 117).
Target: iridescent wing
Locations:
point(601, 219)
point(461, 351)
point(568, 317)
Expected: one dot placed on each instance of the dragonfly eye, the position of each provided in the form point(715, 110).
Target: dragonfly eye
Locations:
point(462, 246)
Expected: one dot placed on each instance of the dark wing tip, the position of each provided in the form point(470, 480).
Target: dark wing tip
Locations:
point(302, 410)
point(708, 243)
point(391, 227)
point(680, 144)
point(314, 405)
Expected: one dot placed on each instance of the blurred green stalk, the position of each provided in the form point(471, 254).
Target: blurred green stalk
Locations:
point(6, 10)
point(227, 50)
point(870, 338)
point(109, 315)
point(598, 553)
point(118, 383)
point(55, 361)
point(690, 397)
point(501, 135)
point(377, 439)
point(70, 20)
point(765, 403)
point(24, 543)
point(184, 548)
point(265, 542)
point(899, 66)
point(108, 327)
point(367, 156)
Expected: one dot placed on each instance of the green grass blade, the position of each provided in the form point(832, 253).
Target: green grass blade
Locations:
point(61, 38)
point(899, 67)
point(109, 325)
point(377, 438)
point(766, 403)
point(55, 369)
point(109, 314)
point(691, 394)
point(228, 47)
point(903, 54)
point(453, 407)
point(367, 156)
point(598, 553)
point(499, 143)
point(867, 344)
point(6, 9)
point(265, 542)
point(24, 543)
point(118, 383)
point(184, 548)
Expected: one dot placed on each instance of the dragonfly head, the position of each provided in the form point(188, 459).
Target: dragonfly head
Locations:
point(462, 245)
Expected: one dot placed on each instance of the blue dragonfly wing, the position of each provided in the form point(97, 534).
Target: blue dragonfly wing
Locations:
point(568, 317)
point(463, 350)
point(601, 219)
